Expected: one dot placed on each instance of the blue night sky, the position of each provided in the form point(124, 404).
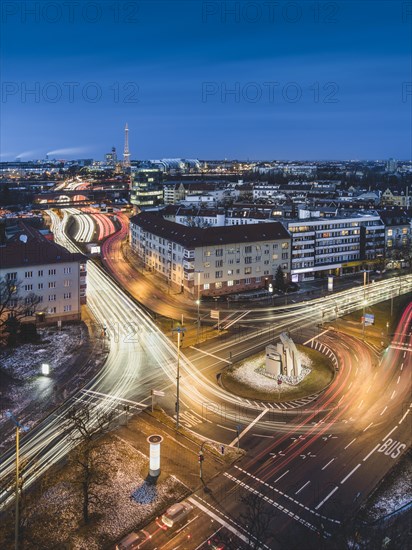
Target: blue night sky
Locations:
point(245, 79)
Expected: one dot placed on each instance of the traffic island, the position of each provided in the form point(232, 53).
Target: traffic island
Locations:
point(246, 378)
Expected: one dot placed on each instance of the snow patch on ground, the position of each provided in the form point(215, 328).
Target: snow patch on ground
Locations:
point(250, 373)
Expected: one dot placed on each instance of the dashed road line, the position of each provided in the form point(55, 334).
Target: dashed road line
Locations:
point(367, 427)
point(349, 474)
point(349, 444)
point(403, 417)
point(371, 453)
point(303, 486)
point(326, 498)
point(326, 465)
point(280, 477)
point(383, 411)
point(387, 435)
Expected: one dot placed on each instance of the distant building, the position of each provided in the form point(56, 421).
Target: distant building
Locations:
point(338, 245)
point(146, 187)
point(111, 158)
point(391, 166)
point(398, 230)
point(221, 262)
point(396, 197)
point(41, 267)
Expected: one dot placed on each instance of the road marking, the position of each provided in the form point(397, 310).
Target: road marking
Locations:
point(399, 377)
point(219, 520)
point(280, 477)
point(326, 498)
point(369, 387)
point(360, 404)
point(315, 337)
point(273, 503)
point(367, 427)
point(371, 453)
point(326, 465)
point(301, 489)
point(383, 411)
point(248, 427)
point(211, 355)
point(350, 385)
point(350, 473)
point(226, 428)
point(393, 394)
point(349, 444)
point(402, 366)
point(403, 417)
point(387, 435)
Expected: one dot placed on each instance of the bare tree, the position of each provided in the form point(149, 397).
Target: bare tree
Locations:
point(256, 519)
point(14, 308)
point(86, 427)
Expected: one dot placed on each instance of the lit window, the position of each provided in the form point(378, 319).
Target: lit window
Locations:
point(206, 286)
point(230, 283)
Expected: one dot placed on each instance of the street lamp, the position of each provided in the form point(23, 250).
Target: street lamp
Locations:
point(45, 369)
point(180, 331)
point(19, 427)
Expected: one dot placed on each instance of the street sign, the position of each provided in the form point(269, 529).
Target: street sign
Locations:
point(369, 319)
point(214, 314)
point(158, 392)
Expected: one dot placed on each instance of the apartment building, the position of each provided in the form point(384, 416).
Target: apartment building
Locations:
point(338, 245)
point(208, 260)
point(41, 267)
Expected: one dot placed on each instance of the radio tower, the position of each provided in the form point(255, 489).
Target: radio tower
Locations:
point(126, 153)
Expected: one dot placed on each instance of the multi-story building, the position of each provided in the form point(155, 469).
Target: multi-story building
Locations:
point(339, 245)
point(36, 265)
point(146, 189)
point(398, 230)
point(211, 261)
point(396, 197)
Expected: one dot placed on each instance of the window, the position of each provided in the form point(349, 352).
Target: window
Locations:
point(207, 252)
point(40, 286)
point(52, 272)
point(67, 295)
point(230, 283)
point(52, 284)
point(248, 280)
point(248, 270)
point(52, 310)
point(28, 274)
point(67, 308)
point(285, 246)
point(266, 251)
point(218, 274)
point(206, 286)
point(28, 287)
point(40, 273)
point(285, 255)
point(230, 271)
point(11, 276)
point(248, 259)
point(206, 275)
point(275, 256)
point(52, 297)
point(67, 270)
point(219, 251)
point(219, 263)
point(218, 285)
point(248, 249)
point(258, 279)
point(206, 264)
point(390, 232)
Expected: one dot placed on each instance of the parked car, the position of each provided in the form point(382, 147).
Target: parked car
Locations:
point(133, 540)
point(176, 514)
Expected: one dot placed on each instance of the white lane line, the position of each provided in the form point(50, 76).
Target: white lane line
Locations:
point(367, 427)
point(314, 338)
point(369, 387)
point(248, 428)
point(326, 498)
point(387, 435)
point(371, 453)
point(301, 489)
point(350, 385)
point(349, 444)
point(226, 428)
point(360, 404)
point(402, 366)
point(326, 465)
point(393, 394)
point(280, 477)
point(211, 355)
point(383, 411)
point(349, 474)
point(219, 520)
point(403, 417)
point(341, 398)
point(399, 377)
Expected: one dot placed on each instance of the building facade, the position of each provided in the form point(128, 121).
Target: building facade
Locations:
point(335, 245)
point(37, 266)
point(210, 261)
